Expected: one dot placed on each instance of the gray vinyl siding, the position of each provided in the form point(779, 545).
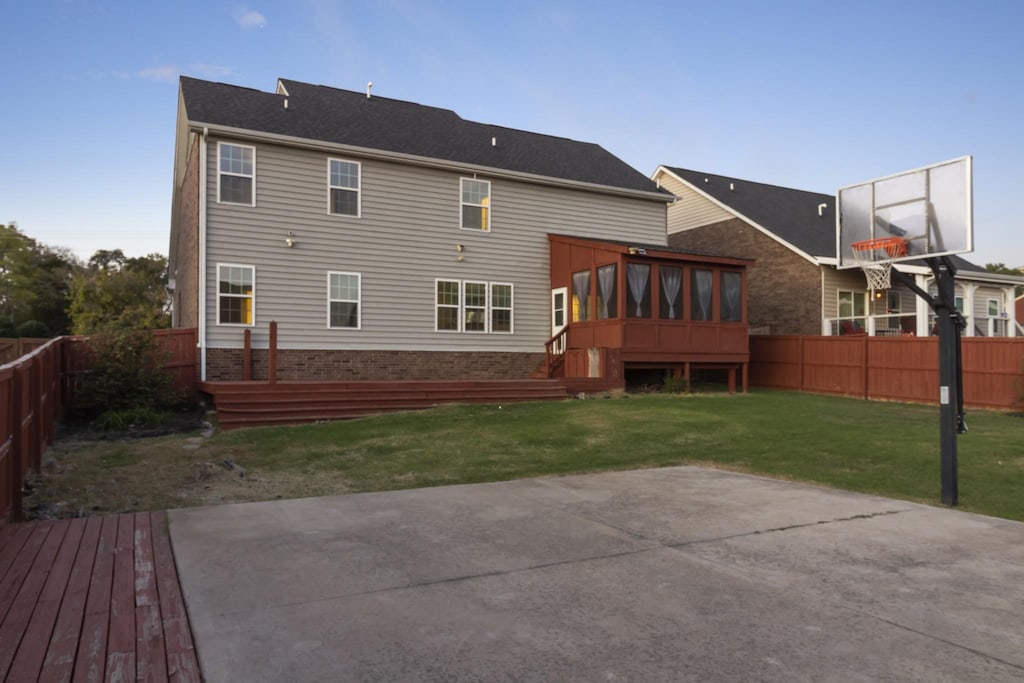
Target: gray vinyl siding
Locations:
point(690, 210)
point(839, 280)
point(405, 239)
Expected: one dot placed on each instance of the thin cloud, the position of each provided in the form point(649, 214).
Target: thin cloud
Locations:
point(212, 71)
point(159, 74)
point(249, 19)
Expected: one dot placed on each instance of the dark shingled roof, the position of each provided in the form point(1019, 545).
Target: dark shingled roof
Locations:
point(345, 117)
point(789, 214)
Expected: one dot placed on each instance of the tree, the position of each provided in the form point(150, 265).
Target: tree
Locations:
point(116, 292)
point(1003, 269)
point(35, 282)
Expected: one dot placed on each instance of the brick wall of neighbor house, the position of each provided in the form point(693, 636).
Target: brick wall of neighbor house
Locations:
point(783, 288)
point(186, 276)
point(351, 365)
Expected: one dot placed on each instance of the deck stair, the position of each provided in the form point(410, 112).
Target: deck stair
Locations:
point(250, 404)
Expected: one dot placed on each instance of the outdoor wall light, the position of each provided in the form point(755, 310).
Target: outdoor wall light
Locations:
point(290, 239)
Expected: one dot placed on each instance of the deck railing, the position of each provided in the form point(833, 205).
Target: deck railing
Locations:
point(555, 353)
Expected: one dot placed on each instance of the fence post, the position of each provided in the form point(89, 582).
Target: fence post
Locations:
point(865, 342)
point(803, 361)
point(272, 354)
point(247, 355)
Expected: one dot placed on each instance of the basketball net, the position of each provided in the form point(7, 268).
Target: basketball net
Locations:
point(875, 258)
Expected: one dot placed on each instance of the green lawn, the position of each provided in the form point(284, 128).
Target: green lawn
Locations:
point(883, 448)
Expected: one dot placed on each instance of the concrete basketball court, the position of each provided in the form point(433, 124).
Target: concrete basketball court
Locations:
point(653, 575)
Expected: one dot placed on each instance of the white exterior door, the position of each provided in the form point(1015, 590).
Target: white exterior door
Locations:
point(559, 297)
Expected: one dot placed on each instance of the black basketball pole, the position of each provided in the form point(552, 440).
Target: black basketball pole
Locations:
point(950, 405)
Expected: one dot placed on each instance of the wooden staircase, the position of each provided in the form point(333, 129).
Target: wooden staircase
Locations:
point(253, 403)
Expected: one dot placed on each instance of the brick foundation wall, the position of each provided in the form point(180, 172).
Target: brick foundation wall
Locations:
point(783, 288)
point(342, 365)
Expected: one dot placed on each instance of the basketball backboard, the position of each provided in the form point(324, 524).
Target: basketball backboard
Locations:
point(915, 214)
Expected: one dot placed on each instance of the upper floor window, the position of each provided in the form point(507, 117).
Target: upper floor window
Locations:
point(236, 174)
point(236, 294)
point(343, 182)
point(476, 204)
point(343, 290)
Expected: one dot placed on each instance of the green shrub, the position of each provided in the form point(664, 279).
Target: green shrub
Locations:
point(670, 384)
point(34, 329)
point(8, 329)
point(124, 371)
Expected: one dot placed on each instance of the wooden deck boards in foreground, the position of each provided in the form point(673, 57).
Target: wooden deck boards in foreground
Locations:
point(92, 599)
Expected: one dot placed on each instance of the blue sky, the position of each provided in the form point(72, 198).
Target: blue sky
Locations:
point(812, 95)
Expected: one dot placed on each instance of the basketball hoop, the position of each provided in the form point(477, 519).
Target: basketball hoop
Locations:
point(875, 258)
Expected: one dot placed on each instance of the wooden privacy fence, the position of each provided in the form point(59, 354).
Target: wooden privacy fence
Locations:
point(36, 388)
point(889, 368)
point(13, 349)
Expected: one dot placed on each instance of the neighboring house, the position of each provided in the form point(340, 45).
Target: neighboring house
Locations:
point(794, 287)
point(388, 240)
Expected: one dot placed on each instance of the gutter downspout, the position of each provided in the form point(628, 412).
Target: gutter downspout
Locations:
point(202, 255)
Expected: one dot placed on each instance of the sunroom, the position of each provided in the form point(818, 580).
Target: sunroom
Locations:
point(626, 313)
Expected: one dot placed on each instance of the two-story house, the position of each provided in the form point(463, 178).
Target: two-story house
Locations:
point(394, 241)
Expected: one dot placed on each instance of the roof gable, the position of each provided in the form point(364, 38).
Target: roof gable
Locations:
point(344, 117)
point(791, 215)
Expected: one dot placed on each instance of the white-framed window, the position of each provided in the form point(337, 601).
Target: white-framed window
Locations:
point(997, 324)
point(473, 307)
point(994, 308)
point(343, 187)
point(893, 301)
point(236, 294)
point(236, 174)
point(475, 204)
point(448, 304)
point(501, 307)
point(344, 295)
point(852, 309)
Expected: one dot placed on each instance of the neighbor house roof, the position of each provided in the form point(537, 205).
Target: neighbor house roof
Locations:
point(352, 119)
point(792, 215)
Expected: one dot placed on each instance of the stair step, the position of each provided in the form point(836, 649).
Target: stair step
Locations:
point(242, 404)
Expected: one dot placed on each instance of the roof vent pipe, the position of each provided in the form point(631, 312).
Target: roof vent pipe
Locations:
point(369, 87)
point(821, 208)
point(494, 142)
point(286, 103)
point(732, 186)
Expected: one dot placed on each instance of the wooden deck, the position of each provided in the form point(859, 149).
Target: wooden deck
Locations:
point(93, 599)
